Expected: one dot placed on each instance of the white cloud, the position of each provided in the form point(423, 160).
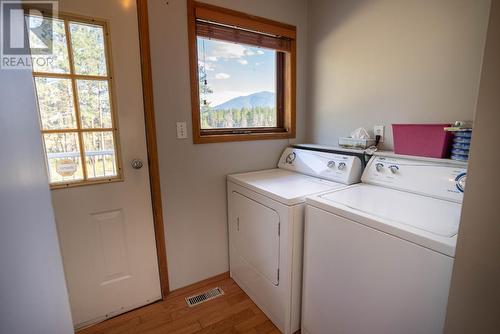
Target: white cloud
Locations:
point(222, 76)
point(228, 51)
point(243, 61)
point(208, 66)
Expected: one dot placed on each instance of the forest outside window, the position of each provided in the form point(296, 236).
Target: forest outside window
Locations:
point(242, 76)
point(74, 93)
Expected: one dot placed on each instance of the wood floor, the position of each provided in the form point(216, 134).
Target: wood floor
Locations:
point(233, 312)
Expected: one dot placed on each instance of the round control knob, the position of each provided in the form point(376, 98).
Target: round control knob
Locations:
point(394, 169)
point(290, 158)
point(379, 167)
point(460, 181)
point(342, 166)
point(331, 164)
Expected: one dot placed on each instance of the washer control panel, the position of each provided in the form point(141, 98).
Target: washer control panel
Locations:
point(436, 179)
point(329, 166)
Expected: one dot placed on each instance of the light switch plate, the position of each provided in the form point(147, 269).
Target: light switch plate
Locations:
point(181, 130)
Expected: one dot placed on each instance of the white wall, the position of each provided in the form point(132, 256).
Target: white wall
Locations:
point(389, 61)
point(474, 303)
point(33, 293)
point(193, 176)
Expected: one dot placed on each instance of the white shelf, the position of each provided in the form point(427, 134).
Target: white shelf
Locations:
point(333, 148)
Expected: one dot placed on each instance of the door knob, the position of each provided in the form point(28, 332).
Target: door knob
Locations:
point(137, 164)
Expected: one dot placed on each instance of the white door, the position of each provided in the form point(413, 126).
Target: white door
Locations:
point(257, 236)
point(106, 230)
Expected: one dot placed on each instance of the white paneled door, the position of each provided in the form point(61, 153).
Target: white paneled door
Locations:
point(106, 230)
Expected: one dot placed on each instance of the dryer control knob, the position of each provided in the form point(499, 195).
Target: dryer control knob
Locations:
point(290, 158)
point(331, 164)
point(342, 166)
point(379, 167)
point(394, 169)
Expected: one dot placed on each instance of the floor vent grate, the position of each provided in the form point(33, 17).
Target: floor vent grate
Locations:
point(205, 296)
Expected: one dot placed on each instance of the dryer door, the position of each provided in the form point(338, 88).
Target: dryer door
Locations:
point(257, 237)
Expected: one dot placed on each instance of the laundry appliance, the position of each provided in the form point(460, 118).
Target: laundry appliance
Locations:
point(378, 256)
point(266, 221)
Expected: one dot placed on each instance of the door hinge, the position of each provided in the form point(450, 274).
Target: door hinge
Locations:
point(278, 275)
point(238, 224)
point(279, 229)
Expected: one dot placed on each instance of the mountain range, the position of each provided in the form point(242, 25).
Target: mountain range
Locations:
point(260, 99)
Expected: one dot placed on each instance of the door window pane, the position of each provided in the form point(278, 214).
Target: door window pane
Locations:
point(63, 157)
point(100, 154)
point(95, 110)
point(237, 85)
point(88, 49)
point(55, 101)
point(58, 61)
point(75, 104)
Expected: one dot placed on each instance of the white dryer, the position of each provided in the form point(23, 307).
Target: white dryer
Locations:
point(378, 256)
point(266, 221)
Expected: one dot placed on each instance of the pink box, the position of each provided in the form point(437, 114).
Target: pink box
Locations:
point(426, 140)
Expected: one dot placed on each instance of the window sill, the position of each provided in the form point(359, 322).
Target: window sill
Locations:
point(230, 137)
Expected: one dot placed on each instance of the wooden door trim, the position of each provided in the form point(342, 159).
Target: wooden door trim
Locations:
point(151, 142)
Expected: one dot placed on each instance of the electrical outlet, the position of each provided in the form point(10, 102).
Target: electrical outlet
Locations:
point(181, 130)
point(378, 130)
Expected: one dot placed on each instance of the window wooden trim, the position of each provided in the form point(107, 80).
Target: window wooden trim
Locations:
point(286, 127)
point(79, 130)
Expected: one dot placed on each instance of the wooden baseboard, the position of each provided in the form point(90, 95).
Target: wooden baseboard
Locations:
point(198, 285)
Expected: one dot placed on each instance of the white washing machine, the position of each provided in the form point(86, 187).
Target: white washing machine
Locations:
point(378, 256)
point(266, 221)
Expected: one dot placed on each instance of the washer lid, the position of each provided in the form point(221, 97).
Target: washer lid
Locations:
point(425, 213)
point(284, 186)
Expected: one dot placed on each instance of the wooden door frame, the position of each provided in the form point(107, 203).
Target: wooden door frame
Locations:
point(151, 142)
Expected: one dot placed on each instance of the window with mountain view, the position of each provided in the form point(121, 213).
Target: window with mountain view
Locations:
point(242, 75)
point(73, 88)
point(237, 85)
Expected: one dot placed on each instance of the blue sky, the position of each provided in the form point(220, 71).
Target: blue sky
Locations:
point(236, 69)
